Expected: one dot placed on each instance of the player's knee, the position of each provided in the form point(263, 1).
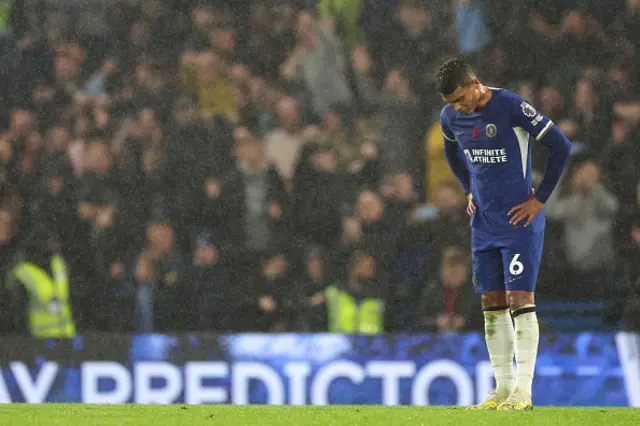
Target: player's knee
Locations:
point(494, 299)
point(517, 299)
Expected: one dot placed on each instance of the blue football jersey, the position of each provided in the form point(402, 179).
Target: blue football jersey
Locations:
point(496, 142)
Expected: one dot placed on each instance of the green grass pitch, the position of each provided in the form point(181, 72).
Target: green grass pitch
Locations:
point(223, 415)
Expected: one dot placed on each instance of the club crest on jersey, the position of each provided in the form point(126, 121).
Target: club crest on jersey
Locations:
point(491, 130)
point(528, 110)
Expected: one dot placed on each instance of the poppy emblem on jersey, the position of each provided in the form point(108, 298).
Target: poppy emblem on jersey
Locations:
point(476, 133)
point(491, 130)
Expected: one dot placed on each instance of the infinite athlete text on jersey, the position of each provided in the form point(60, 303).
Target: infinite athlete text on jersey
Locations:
point(488, 156)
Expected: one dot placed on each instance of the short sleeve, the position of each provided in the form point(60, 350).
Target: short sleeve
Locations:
point(530, 119)
point(446, 131)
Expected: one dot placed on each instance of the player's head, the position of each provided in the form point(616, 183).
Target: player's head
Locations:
point(459, 86)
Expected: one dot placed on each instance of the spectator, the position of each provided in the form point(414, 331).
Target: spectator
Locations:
point(272, 296)
point(629, 302)
point(317, 195)
point(96, 84)
point(283, 144)
point(271, 28)
point(551, 101)
point(526, 89)
point(544, 29)
point(443, 224)
point(628, 22)
point(54, 202)
point(223, 37)
point(399, 112)
point(368, 137)
point(139, 43)
point(318, 60)
point(311, 305)
point(43, 296)
point(263, 100)
point(410, 42)
point(473, 34)
point(590, 115)
point(148, 192)
point(337, 129)
point(628, 248)
point(206, 74)
point(68, 68)
point(448, 300)
point(626, 238)
point(8, 249)
point(370, 225)
point(345, 16)
point(98, 184)
point(401, 199)
point(152, 89)
point(356, 306)
point(208, 299)
point(203, 20)
point(253, 200)
point(621, 162)
point(153, 282)
point(194, 149)
point(438, 171)
point(494, 62)
point(621, 82)
point(587, 214)
point(409, 254)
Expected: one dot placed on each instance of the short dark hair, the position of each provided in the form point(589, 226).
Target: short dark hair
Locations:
point(453, 73)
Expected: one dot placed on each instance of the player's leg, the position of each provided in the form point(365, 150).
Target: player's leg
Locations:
point(488, 280)
point(500, 337)
point(522, 265)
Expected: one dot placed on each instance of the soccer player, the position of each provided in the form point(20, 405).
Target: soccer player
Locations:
point(488, 134)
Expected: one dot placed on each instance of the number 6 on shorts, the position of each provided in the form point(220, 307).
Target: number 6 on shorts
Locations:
point(521, 266)
point(516, 267)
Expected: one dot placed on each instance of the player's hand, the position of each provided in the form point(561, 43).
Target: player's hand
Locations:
point(527, 210)
point(471, 205)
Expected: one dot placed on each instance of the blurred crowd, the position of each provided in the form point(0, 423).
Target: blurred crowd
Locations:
point(217, 165)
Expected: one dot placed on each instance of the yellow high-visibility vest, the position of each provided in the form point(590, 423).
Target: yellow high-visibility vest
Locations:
point(5, 8)
point(49, 308)
point(348, 316)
